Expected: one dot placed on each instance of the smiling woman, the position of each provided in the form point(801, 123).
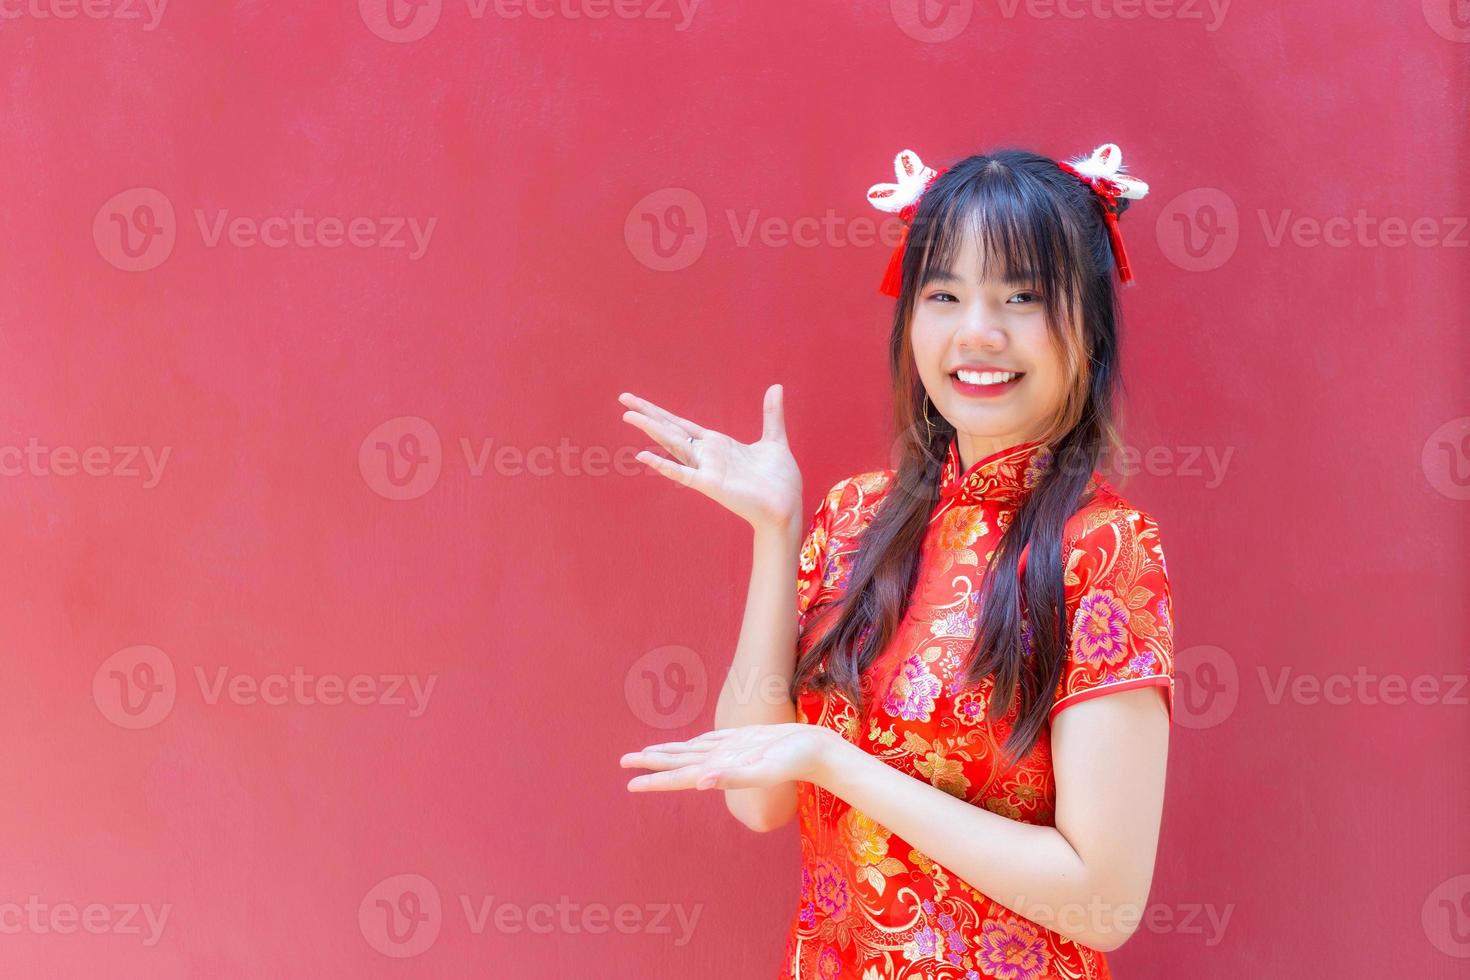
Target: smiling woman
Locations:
point(970, 803)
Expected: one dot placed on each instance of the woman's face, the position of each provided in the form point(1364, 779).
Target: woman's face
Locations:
point(996, 329)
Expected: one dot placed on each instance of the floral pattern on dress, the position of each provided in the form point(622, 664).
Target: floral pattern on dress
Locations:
point(872, 906)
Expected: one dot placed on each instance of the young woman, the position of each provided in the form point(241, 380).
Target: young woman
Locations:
point(970, 804)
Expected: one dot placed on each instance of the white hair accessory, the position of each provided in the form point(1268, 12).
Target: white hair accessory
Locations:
point(913, 179)
point(1107, 162)
point(1102, 171)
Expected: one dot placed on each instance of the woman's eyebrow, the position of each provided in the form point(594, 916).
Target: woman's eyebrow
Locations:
point(1020, 277)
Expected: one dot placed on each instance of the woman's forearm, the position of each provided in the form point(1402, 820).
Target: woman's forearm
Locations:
point(1029, 868)
point(755, 691)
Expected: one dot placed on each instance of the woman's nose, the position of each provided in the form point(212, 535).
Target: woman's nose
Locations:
point(982, 327)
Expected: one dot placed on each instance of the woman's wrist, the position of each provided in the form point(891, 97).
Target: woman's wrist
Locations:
point(782, 525)
point(832, 756)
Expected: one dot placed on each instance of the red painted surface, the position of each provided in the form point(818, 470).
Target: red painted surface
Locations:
point(313, 325)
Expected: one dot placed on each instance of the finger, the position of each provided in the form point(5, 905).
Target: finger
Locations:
point(684, 778)
point(698, 744)
point(647, 759)
point(654, 411)
point(773, 424)
point(678, 472)
point(736, 777)
point(666, 434)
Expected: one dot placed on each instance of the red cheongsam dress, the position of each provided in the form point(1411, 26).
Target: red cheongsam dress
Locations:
point(872, 907)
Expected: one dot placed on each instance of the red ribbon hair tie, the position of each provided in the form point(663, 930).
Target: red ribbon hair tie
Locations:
point(901, 198)
point(1101, 171)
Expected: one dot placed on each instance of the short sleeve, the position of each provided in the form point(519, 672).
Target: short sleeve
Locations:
point(1120, 610)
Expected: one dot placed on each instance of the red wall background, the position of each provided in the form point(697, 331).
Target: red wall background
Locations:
point(264, 451)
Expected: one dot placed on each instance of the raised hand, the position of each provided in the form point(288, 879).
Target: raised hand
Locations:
point(759, 481)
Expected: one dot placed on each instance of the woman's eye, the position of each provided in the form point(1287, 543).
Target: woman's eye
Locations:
point(941, 296)
point(1033, 296)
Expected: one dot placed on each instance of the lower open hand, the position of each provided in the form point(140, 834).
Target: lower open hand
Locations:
point(734, 758)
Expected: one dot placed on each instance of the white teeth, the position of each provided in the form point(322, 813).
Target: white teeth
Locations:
point(987, 377)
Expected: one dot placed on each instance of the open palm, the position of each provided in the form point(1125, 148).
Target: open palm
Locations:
point(732, 758)
point(759, 481)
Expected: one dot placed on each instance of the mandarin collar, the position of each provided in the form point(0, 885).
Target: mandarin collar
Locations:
point(1005, 476)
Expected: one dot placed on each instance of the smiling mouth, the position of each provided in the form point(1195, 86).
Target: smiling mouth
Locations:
point(987, 379)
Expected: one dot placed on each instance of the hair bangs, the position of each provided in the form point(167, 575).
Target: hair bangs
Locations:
point(1018, 233)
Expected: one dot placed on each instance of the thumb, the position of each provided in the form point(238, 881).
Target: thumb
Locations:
point(773, 422)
